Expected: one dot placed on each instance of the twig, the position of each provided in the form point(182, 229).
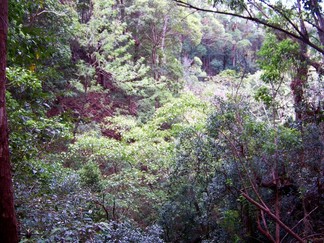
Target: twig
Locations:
point(299, 222)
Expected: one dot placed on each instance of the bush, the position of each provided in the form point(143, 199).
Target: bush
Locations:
point(91, 176)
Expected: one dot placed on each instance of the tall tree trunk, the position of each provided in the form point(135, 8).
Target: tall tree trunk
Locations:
point(154, 53)
point(164, 32)
point(155, 63)
point(300, 79)
point(122, 10)
point(8, 222)
point(234, 55)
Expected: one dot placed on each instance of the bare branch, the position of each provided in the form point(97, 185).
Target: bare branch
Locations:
point(274, 217)
point(286, 18)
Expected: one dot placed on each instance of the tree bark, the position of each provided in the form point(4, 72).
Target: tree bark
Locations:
point(164, 32)
point(8, 222)
point(154, 52)
point(300, 79)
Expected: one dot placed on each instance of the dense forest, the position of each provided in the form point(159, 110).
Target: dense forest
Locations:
point(161, 121)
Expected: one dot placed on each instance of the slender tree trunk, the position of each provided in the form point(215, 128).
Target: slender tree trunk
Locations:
point(8, 222)
point(234, 55)
point(300, 79)
point(155, 61)
point(165, 28)
point(277, 212)
point(224, 59)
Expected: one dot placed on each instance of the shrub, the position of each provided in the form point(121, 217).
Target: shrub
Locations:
point(91, 176)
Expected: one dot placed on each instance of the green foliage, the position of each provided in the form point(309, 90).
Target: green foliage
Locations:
point(126, 232)
point(103, 48)
point(230, 222)
point(159, 28)
point(62, 211)
point(35, 43)
point(225, 44)
point(106, 40)
point(215, 165)
point(136, 168)
point(201, 50)
point(228, 73)
point(91, 176)
point(216, 65)
point(30, 129)
point(262, 94)
point(23, 82)
point(276, 58)
point(187, 108)
point(178, 167)
point(92, 147)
